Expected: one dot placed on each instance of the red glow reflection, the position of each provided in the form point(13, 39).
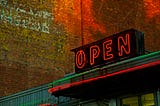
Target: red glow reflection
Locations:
point(152, 8)
point(68, 13)
point(89, 22)
point(65, 86)
point(88, 18)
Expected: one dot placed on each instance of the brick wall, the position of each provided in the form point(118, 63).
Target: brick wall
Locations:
point(36, 36)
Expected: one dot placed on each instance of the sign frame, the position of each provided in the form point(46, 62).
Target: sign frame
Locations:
point(114, 48)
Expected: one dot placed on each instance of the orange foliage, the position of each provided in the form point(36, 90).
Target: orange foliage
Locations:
point(152, 8)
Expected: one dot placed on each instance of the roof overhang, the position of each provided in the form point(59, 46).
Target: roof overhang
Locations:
point(130, 75)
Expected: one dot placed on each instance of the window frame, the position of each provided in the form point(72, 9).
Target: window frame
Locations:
point(156, 95)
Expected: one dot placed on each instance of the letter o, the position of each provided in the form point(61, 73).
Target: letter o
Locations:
point(80, 59)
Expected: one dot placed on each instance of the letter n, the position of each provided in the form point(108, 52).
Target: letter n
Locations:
point(124, 45)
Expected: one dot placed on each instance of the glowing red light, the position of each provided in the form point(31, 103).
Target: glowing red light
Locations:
point(65, 86)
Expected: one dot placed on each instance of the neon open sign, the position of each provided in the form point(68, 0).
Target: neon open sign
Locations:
point(126, 44)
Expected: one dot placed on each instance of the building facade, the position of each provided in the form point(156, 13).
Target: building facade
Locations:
point(36, 36)
point(105, 76)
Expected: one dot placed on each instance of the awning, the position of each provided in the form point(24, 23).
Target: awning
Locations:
point(130, 75)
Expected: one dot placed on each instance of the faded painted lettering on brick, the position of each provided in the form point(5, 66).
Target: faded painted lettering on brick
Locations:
point(38, 20)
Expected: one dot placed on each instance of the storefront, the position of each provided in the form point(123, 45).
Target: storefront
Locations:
point(112, 74)
point(115, 71)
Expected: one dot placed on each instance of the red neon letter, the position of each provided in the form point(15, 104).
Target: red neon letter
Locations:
point(80, 59)
point(94, 53)
point(124, 45)
point(107, 49)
